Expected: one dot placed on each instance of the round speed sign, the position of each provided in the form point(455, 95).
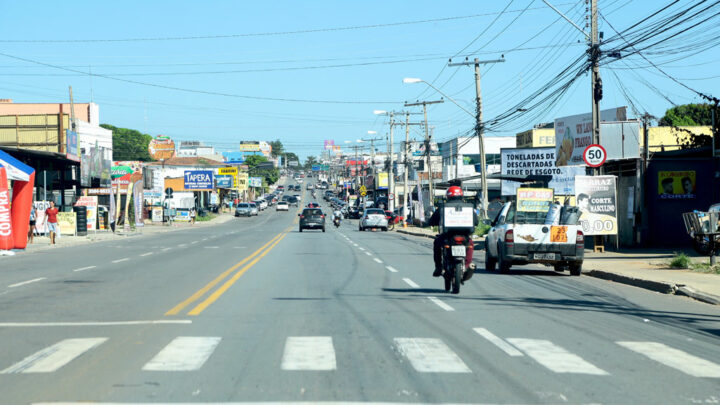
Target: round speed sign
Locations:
point(594, 155)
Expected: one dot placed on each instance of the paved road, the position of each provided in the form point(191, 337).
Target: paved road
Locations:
point(253, 311)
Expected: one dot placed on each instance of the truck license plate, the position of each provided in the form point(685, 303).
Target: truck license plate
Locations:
point(458, 250)
point(544, 256)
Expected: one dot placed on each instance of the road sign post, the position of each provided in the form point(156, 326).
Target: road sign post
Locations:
point(594, 155)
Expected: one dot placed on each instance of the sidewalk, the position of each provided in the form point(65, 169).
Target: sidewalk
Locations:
point(43, 242)
point(644, 268)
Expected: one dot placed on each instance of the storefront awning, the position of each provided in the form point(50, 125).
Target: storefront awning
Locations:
point(16, 170)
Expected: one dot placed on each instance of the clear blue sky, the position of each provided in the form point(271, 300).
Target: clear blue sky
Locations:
point(268, 63)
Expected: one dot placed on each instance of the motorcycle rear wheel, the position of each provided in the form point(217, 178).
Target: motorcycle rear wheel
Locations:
point(457, 277)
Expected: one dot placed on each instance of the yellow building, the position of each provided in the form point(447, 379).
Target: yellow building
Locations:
point(666, 138)
point(536, 138)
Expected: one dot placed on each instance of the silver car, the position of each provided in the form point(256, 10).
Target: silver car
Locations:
point(243, 209)
point(254, 209)
point(373, 218)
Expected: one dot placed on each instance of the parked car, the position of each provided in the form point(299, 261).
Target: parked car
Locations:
point(312, 218)
point(254, 209)
point(282, 206)
point(373, 218)
point(262, 204)
point(243, 209)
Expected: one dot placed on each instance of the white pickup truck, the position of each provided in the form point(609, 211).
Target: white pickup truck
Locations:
point(532, 237)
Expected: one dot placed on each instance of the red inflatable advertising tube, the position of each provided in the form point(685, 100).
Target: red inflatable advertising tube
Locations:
point(21, 206)
point(6, 240)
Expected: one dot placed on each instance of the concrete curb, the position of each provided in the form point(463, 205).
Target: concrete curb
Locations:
point(658, 286)
point(420, 234)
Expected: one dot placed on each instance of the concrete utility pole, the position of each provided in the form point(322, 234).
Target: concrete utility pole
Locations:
point(427, 144)
point(391, 174)
point(406, 189)
point(596, 82)
point(480, 126)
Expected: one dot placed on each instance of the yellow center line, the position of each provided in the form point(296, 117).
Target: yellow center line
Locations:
point(199, 293)
point(220, 291)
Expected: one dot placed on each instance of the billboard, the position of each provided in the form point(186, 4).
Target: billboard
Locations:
point(123, 172)
point(224, 181)
point(574, 133)
point(198, 180)
point(255, 181)
point(329, 144)
point(382, 181)
point(161, 148)
point(537, 161)
point(676, 185)
point(249, 146)
point(91, 205)
point(229, 171)
point(71, 145)
point(534, 199)
point(596, 198)
point(242, 181)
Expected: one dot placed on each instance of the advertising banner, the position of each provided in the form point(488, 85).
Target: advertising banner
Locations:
point(537, 161)
point(91, 205)
point(255, 181)
point(71, 145)
point(534, 199)
point(232, 172)
point(157, 214)
point(123, 172)
point(382, 181)
point(596, 198)
point(242, 183)
point(574, 133)
point(138, 203)
point(329, 144)
point(676, 185)
point(67, 223)
point(224, 181)
point(198, 180)
point(161, 148)
point(250, 146)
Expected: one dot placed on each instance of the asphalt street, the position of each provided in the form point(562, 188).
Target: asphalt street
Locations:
point(254, 311)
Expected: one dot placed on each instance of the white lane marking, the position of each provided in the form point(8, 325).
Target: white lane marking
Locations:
point(377, 260)
point(194, 242)
point(121, 260)
point(182, 245)
point(428, 355)
point(53, 357)
point(26, 282)
point(355, 244)
point(309, 353)
point(93, 323)
point(204, 238)
point(555, 357)
point(212, 247)
point(146, 254)
point(501, 344)
point(184, 353)
point(391, 269)
point(677, 359)
point(166, 249)
point(361, 248)
point(441, 304)
point(368, 253)
point(85, 268)
point(410, 283)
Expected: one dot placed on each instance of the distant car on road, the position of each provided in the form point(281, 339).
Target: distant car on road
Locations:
point(282, 206)
point(312, 218)
point(313, 205)
point(373, 218)
point(292, 200)
point(254, 209)
point(243, 209)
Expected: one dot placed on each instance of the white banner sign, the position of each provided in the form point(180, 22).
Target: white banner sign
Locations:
point(574, 133)
point(537, 162)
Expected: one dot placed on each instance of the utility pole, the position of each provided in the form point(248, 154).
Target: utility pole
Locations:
point(391, 175)
point(596, 82)
point(480, 126)
point(427, 144)
point(406, 189)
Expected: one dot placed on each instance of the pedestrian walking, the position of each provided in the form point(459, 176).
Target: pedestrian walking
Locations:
point(31, 229)
point(192, 216)
point(52, 222)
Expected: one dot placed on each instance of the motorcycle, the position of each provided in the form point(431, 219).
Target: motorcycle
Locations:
point(455, 272)
point(336, 222)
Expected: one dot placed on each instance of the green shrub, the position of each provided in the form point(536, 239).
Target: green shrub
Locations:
point(208, 217)
point(680, 261)
point(482, 229)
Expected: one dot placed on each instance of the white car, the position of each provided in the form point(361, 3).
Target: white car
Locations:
point(282, 206)
point(262, 204)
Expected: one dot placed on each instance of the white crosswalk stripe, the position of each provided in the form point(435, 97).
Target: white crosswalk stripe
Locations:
point(184, 353)
point(677, 359)
point(555, 357)
point(428, 355)
point(53, 357)
point(309, 353)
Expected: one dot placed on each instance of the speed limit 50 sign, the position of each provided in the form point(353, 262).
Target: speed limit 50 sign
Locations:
point(594, 155)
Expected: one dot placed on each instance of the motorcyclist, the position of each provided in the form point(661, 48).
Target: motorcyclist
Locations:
point(453, 194)
point(337, 216)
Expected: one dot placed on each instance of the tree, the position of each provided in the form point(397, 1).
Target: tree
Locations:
point(277, 148)
point(309, 161)
point(291, 157)
point(129, 144)
point(270, 175)
point(689, 115)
